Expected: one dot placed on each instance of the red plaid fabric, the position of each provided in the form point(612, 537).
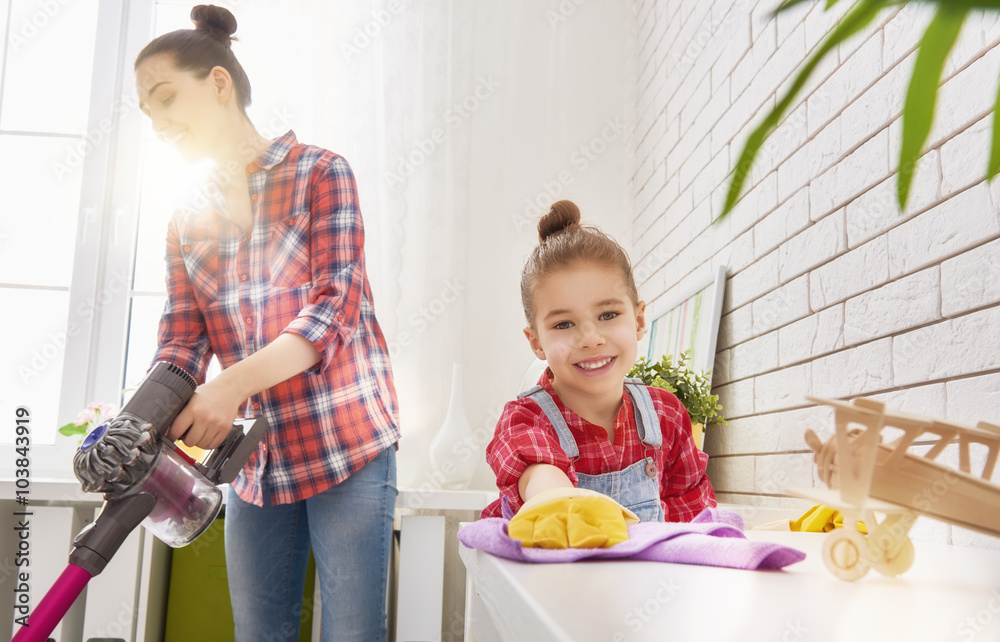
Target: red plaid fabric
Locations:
point(524, 436)
point(301, 269)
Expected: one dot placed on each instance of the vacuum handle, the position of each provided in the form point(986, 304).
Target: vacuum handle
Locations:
point(161, 396)
point(225, 462)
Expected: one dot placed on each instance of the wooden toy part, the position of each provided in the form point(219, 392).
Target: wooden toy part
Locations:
point(858, 463)
point(886, 548)
point(845, 553)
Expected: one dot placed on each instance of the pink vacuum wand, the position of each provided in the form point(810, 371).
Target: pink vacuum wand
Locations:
point(145, 480)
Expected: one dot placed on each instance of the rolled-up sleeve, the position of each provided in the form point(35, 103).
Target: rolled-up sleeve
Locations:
point(337, 239)
point(182, 338)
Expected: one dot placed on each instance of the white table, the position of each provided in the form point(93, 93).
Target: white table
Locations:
point(949, 594)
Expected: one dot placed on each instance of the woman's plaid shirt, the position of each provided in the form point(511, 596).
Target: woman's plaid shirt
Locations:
point(301, 269)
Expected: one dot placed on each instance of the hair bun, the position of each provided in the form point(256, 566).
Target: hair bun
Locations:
point(217, 22)
point(562, 215)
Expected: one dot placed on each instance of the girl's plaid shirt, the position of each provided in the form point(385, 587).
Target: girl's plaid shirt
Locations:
point(524, 436)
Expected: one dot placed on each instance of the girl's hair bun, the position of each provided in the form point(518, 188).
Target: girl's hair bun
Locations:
point(217, 22)
point(562, 215)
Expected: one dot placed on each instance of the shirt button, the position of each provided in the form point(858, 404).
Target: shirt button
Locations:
point(243, 277)
point(249, 320)
point(253, 196)
point(187, 248)
point(290, 221)
point(256, 406)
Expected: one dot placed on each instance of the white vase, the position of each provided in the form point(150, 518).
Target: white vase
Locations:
point(454, 453)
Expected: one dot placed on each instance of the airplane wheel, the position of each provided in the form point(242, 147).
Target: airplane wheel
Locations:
point(900, 563)
point(845, 553)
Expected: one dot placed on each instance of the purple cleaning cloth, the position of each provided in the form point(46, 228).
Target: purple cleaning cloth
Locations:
point(713, 538)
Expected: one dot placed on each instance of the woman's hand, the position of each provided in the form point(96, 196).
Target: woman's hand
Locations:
point(207, 419)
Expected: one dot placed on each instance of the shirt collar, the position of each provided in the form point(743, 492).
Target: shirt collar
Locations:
point(212, 199)
point(277, 151)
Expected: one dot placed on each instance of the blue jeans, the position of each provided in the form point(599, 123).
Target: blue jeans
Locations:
point(350, 529)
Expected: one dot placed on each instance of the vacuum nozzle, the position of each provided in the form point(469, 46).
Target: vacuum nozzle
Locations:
point(116, 456)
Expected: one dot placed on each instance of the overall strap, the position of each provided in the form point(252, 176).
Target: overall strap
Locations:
point(646, 420)
point(548, 406)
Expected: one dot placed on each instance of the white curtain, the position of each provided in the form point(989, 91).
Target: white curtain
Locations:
point(462, 120)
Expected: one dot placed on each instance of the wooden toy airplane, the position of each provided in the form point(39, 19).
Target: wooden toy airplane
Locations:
point(867, 476)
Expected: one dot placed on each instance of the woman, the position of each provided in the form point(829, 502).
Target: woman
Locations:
point(270, 277)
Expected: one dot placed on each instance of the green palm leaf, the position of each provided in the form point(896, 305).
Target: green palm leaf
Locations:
point(921, 96)
point(854, 21)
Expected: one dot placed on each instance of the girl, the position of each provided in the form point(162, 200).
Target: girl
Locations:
point(584, 425)
point(271, 278)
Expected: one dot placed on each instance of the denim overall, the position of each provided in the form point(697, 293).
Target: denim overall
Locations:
point(637, 487)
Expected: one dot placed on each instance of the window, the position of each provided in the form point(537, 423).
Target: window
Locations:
point(45, 225)
point(67, 126)
point(85, 194)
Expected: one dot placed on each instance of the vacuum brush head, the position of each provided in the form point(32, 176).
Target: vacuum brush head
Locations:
point(116, 456)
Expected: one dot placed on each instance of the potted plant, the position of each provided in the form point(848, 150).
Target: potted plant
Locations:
point(693, 389)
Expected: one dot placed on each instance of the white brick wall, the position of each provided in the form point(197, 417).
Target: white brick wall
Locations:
point(831, 290)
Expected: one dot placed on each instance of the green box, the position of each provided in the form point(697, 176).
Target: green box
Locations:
point(198, 606)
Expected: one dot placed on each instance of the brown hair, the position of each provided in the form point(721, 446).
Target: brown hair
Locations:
point(562, 241)
point(206, 46)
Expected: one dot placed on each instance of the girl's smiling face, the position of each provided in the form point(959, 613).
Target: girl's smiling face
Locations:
point(186, 111)
point(587, 328)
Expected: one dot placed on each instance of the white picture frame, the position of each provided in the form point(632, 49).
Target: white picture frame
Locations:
point(687, 322)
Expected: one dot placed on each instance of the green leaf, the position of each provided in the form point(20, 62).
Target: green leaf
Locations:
point(854, 21)
point(72, 429)
point(787, 4)
point(921, 96)
point(994, 165)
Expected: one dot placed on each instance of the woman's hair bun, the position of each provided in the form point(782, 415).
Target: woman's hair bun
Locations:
point(217, 22)
point(562, 215)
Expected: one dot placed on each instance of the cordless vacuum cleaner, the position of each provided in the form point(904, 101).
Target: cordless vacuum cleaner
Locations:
point(146, 480)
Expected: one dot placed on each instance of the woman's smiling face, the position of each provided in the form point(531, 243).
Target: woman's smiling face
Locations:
point(586, 327)
point(186, 111)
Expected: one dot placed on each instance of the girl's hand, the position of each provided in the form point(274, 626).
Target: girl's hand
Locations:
point(571, 518)
point(207, 419)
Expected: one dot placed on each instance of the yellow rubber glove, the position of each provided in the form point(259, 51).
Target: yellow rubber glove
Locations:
point(571, 518)
point(821, 519)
